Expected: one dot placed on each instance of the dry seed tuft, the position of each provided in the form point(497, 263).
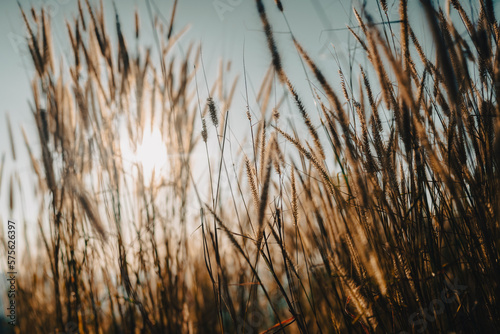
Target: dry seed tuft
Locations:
point(204, 133)
point(213, 111)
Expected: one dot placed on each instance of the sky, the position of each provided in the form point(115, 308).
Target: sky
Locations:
point(223, 27)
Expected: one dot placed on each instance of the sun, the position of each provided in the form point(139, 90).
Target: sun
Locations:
point(152, 153)
point(149, 156)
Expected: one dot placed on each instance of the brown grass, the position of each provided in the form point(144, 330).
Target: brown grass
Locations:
point(381, 217)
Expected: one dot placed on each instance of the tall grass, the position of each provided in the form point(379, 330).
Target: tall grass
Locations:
point(383, 217)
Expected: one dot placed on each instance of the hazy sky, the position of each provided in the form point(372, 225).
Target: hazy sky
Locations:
point(222, 27)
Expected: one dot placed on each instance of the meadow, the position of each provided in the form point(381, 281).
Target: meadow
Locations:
point(373, 212)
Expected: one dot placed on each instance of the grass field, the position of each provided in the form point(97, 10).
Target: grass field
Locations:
point(374, 212)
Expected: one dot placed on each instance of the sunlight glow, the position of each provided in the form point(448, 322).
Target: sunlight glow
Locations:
point(150, 155)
